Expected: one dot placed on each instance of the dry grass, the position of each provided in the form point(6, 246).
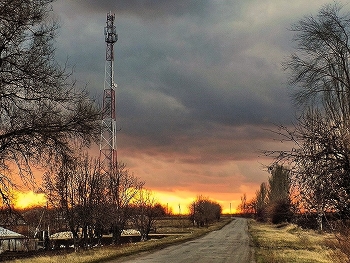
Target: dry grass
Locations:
point(341, 245)
point(105, 254)
point(289, 243)
point(174, 225)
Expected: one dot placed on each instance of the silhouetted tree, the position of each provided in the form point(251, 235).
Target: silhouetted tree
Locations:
point(318, 163)
point(279, 183)
point(247, 208)
point(279, 201)
point(319, 160)
point(42, 115)
point(77, 190)
point(145, 211)
point(243, 206)
point(320, 67)
point(203, 211)
point(262, 203)
point(122, 188)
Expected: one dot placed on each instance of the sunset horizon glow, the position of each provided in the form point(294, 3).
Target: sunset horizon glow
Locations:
point(28, 199)
point(176, 203)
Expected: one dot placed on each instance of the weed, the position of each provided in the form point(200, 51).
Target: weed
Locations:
point(269, 256)
point(304, 240)
point(287, 243)
point(340, 245)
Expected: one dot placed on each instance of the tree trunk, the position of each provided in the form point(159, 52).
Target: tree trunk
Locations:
point(116, 234)
point(320, 221)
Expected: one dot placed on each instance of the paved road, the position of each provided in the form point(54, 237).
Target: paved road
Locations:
point(228, 245)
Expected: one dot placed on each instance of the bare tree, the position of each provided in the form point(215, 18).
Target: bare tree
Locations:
point(320, 65)
point(77, 190)
point(318, 165)
point(243, 206)
point(145, 212)
point(262, 202)
point(203, 211)
point(122, 186)
point(247, 208)
point(41, 112)
point(279, 183)
point(320, 68)
point(320, 73)
point(90, 201)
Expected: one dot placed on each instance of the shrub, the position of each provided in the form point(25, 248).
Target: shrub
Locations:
point(281, 212)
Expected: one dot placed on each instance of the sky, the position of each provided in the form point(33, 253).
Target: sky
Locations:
point(199, 84)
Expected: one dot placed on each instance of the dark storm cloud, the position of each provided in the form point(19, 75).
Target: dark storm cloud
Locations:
point(177, 75)
point(148, 8)
point(232, 104)
point(202, 66)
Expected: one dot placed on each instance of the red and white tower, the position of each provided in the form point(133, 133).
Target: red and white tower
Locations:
point(108, 143)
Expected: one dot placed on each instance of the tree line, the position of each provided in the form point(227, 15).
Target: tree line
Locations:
point(318, 163)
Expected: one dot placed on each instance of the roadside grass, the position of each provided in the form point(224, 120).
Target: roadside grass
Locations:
point(289, 243)
point(185, 232)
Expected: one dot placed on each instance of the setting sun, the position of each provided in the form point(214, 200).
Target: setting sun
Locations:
point(29, 199)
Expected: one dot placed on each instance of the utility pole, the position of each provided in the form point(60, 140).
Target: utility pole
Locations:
point(108, 142)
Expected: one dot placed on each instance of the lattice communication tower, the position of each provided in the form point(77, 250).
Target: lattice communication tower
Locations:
point(108, 142)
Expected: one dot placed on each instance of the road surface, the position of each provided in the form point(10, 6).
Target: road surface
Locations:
point(228, 245)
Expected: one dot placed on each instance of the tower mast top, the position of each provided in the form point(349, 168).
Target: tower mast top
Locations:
point(110, 36)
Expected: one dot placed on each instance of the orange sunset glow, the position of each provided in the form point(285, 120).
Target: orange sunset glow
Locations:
point(179, 202)
point(28, 199)
point(176, 203)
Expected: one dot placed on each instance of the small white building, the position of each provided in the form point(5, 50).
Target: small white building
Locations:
point(12, 241)
point(62, 235)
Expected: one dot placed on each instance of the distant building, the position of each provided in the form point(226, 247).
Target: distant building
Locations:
point(12, 241)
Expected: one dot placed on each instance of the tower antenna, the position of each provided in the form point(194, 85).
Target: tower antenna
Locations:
point(108, 142)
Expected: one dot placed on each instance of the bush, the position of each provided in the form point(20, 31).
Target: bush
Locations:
point(281, 212)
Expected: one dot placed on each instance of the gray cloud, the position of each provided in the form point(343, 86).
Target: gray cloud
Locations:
point(198, 80)
point(147, 8)
point(203, 65)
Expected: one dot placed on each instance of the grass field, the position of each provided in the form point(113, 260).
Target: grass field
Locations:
point(184, 229)
point(289, 243)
